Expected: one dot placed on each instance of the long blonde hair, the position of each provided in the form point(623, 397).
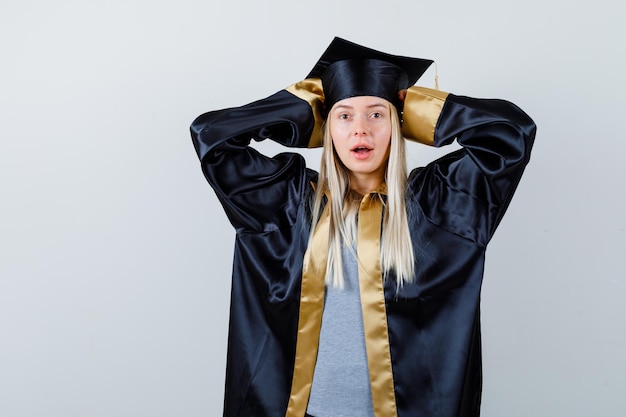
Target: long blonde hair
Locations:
point(396, 248)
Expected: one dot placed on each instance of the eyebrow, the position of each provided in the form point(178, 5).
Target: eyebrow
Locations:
point(371, 106)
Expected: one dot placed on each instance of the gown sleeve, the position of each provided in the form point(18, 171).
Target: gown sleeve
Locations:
point(467, 191)
point(260, 193)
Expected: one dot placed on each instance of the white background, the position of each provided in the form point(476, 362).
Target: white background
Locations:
point(115, 256)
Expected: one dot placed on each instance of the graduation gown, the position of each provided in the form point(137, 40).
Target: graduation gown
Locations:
point(430, 329)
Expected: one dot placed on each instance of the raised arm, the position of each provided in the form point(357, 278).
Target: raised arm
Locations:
point(468, 191)
point(257, 192)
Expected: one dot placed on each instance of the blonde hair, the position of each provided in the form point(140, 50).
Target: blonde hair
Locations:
point(396, 248)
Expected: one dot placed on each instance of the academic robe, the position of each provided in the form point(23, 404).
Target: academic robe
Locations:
point(430, 329)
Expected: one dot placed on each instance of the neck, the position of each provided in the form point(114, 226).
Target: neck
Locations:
point(364, 184)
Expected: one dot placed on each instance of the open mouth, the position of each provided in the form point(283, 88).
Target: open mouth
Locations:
point(361, 149)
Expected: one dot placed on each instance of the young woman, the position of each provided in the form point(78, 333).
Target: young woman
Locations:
point(356, 291)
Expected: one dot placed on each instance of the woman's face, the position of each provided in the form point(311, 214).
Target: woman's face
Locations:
point(360, 128)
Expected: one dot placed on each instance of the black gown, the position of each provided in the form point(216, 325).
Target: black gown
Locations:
point(430, 329)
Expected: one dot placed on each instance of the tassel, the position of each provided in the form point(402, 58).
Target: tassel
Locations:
point(436, 77)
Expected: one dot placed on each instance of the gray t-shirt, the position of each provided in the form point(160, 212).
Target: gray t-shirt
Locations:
point(341, 383)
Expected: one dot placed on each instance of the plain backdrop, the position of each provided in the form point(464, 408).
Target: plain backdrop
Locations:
point(115, 255)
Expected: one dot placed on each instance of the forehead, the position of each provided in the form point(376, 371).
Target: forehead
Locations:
point(361, 102)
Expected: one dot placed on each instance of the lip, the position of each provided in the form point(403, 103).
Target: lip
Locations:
point(361, 151)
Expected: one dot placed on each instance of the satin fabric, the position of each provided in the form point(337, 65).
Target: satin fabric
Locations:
point(454, 204)
point(310, 319)
point(421, 112)
point(373, 306)
point(363, 77)
point(372, 298)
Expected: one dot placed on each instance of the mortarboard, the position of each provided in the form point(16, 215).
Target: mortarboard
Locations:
point(349, 70)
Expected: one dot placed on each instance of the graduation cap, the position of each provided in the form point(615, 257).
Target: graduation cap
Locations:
point(350, 70)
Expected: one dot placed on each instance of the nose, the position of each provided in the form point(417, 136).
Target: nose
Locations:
point(359, 127)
